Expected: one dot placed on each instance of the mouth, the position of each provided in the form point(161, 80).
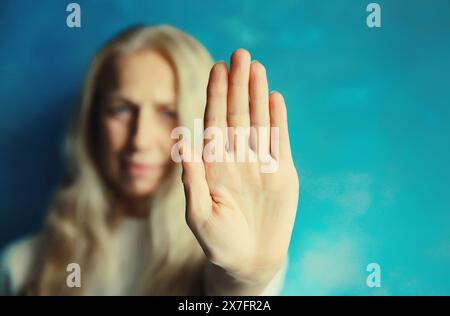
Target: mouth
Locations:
point(142, 169)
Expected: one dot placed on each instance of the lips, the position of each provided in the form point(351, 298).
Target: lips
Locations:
point(140, 169)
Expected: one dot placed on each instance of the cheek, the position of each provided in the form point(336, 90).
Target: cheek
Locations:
point(116, 134)
point(166, 143)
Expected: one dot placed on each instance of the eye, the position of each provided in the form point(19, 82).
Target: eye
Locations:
point(167, 113)
point(120, 110)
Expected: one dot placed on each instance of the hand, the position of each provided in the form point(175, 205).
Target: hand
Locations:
point(242, 217)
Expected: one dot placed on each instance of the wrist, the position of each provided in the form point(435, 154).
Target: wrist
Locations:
point(220, 281)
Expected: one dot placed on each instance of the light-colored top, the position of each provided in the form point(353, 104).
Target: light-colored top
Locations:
point(125, 267)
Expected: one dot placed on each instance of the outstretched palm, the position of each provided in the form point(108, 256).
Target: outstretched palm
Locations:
point(242, 216)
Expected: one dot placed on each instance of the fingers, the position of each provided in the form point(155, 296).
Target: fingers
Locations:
point(240, 98)
point(216, 104)
point(238, 107)
point(216, 108)
point(279, 142)
point(259, 105)
point(259, 95)
point(195, 185)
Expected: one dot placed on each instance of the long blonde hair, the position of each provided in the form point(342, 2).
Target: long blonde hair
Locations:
point(81, 216)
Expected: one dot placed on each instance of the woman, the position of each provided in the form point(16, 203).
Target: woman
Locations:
point(135, 221)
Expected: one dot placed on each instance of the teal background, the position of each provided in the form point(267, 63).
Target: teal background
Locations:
point(369, 115)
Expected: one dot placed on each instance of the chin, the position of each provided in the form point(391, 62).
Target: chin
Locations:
point(140, 188)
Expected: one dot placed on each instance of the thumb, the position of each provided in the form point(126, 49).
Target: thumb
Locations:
point(198, 199)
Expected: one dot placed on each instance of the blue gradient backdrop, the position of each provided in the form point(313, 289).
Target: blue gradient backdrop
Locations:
point(369, 114)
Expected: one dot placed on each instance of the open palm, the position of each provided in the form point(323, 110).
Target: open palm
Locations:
point(241, 214)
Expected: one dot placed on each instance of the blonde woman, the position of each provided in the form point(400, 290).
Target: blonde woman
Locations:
point(135, 221)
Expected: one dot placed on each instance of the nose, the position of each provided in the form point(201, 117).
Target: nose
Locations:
point(143, 133)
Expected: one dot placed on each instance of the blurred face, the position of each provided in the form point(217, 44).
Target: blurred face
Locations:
point(136, 120)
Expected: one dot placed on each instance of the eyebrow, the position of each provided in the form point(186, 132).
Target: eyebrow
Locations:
point(115, 96)
point(118, 97)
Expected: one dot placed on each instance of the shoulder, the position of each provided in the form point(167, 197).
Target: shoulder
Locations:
point(15, 264)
